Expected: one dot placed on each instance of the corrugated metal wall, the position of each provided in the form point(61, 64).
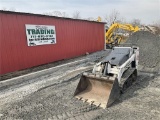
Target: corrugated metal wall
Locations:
point(74, 38)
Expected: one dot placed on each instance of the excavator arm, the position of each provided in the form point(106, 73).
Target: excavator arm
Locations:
point(109, 34)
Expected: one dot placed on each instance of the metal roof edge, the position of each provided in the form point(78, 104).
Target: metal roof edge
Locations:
point(41, 15)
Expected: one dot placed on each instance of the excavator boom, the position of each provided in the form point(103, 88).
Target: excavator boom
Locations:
point(109, 33)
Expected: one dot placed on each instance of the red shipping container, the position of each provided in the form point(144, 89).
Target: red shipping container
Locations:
point(74, 38)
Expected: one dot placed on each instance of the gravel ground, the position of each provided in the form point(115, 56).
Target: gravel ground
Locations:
point(149, 45)
point(51, 96)
point(141, 101)
point(13, 98)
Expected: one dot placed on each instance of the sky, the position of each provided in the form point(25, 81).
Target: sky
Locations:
point(148, 11)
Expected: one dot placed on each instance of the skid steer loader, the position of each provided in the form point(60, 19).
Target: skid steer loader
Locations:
point(109, 78)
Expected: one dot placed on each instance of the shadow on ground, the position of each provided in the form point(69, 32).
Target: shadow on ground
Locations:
point(142, 82)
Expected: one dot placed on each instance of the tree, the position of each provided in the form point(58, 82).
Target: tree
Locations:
point(56, 13)
point(47, 13)
point(76, 15)
point(4, 8)
point(136, 22)
point(90, 19)
point(12, 9)
point(64, 14)
point(157, 23)
point(113, 17)
point(121, 20)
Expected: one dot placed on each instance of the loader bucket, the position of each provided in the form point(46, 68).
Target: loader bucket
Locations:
point(100, 91)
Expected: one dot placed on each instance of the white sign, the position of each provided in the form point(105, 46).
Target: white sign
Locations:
point(40, 35)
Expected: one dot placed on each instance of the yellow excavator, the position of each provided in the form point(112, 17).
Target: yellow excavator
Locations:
point(113, 39)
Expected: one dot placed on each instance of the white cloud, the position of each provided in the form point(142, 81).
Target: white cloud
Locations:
point(145, 10)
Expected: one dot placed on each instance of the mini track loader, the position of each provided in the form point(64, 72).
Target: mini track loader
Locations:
point(109, 78)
